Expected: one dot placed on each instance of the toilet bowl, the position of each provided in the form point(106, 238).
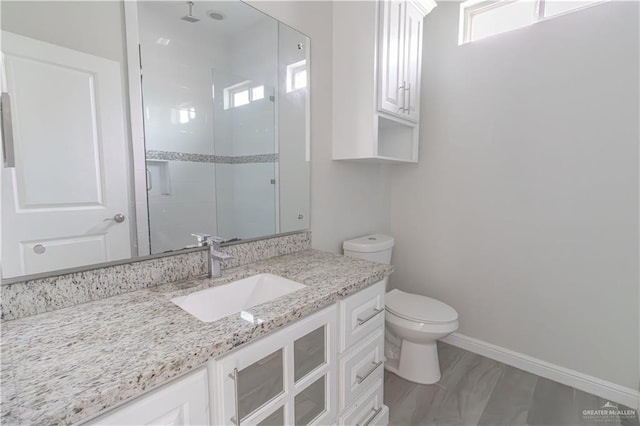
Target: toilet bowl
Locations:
point(418, 322)
point(415, 322)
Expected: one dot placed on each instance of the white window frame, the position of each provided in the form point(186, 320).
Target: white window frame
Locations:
point(470, 8)
point(292, 71)
point(248, 85)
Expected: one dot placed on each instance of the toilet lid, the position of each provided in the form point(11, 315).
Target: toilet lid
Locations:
point(419, 308)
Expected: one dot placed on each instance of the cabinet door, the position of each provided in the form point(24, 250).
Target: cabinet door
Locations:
point(180, 403)
point(283, 378)
point(412, 60)
point(391, 74)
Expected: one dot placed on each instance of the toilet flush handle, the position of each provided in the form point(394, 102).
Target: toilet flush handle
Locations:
point(370, 317)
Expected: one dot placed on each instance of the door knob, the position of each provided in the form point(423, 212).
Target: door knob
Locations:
point(119, 218)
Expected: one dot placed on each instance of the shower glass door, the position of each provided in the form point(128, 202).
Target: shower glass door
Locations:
point(246, 152)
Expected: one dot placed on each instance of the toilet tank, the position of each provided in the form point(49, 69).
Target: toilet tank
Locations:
point(374, 247)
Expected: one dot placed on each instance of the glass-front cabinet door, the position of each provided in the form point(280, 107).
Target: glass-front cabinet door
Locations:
point(284, 378)
point(259, 383)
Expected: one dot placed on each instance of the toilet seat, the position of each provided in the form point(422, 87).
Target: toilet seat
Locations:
point(414, 307)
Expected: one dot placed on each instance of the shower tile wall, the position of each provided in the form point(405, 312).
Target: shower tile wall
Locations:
point(181, 201)
point(246, 200)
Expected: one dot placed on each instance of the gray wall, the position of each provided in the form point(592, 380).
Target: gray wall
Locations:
point(347, 199)
point(522, 213)
point(94, 27)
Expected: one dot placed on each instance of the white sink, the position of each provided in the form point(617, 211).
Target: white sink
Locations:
point(217, 302)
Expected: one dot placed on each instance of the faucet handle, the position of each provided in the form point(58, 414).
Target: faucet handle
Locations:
point(202, 238)
point(220, 255)
point(214, 241)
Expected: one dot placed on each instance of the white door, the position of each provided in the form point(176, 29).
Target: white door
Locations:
point(391, 80)
point(413, 60)
point(70, 176)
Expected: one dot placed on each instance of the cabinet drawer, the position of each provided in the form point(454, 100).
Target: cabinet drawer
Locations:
point(368, 410)
point(361, 314)
point(380, 419)
point(362, 368)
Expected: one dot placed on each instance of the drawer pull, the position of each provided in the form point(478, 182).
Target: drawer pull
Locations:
point(361, 379)
point(370, 419)
point(236, 419)
point(370, 317)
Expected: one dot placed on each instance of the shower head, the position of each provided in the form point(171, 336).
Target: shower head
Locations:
point(189, 17)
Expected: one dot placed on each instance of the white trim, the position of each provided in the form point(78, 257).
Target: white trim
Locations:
point(602, 388)
point(424, 6)
point(136, 121)
point(471, 8)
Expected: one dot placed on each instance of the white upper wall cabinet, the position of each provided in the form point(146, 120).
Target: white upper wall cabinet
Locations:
point(376, 79)
point(412, 60)
point(400, 59)
point(392, 79)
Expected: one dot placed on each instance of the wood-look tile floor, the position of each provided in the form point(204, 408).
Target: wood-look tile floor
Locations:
point(475, 390)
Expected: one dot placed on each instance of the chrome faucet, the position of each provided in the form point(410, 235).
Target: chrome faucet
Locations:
point(215, 255)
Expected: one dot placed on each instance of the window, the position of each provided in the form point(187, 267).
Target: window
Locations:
point(242, 94)
point(297, 76)
point(483, 18)
point(241, 97)
point(257, 93)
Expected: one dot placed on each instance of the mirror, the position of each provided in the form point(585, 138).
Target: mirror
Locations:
point(128, 126)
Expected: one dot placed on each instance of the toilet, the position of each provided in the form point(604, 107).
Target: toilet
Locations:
point(414, 323)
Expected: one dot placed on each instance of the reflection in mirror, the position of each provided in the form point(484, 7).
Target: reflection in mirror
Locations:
point(222, 97)
point(245, 136)
point(215, 150)
point(66, 106)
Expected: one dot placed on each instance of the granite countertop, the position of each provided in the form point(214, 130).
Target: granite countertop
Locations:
point(64, 366)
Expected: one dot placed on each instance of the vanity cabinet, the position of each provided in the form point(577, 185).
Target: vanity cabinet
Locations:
point(376, 79)
point(326, 368)
point(181, 402)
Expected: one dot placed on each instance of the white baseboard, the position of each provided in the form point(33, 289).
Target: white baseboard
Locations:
point(607, 390)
